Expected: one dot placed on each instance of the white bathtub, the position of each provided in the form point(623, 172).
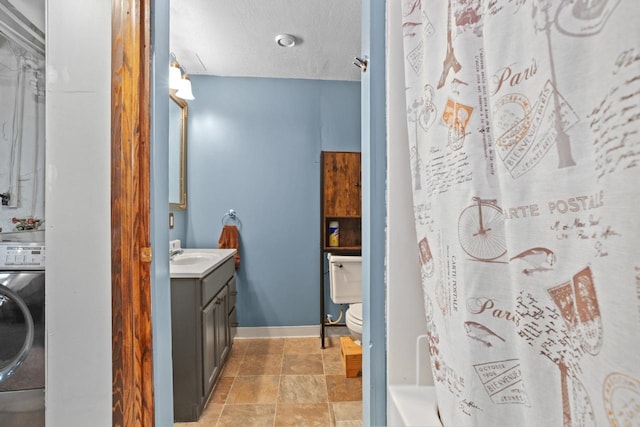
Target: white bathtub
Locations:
point(412, 405)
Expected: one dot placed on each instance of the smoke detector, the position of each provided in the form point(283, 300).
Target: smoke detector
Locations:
point(286, 40)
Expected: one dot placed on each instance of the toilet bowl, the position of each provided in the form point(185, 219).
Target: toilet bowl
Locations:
point(353, 320)
point(345, 277)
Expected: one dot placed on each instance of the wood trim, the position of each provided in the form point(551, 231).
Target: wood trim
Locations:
point(132, 374)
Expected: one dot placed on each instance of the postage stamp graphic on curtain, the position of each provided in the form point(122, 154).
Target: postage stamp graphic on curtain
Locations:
point(621, 396)
point(426, 259)
point(522, 149)
point(584, 18)
point(512, 117)
point(456, 116)
point(502, 381)
point(578, 303)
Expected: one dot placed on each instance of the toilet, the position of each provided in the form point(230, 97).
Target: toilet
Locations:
point(345, 278)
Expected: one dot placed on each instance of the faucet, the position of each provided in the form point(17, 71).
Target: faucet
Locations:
point(174, 252)
point(174, 249)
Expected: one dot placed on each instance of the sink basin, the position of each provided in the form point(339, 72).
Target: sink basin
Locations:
point(191, 259)
point(197, 263)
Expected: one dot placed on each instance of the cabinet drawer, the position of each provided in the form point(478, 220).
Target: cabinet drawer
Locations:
point(216, 280)
point(233, 293)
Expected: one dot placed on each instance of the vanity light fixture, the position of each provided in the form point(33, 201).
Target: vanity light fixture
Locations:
point(184, 91)
point(175, 75)
point(286, 40)
point(179, 80)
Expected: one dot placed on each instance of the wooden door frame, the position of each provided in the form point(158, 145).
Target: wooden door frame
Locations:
point(132, 371)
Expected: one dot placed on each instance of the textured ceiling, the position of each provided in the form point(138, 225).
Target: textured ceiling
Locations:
point(237, 38)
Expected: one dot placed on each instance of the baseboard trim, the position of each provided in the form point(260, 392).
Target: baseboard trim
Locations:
point(278, 332)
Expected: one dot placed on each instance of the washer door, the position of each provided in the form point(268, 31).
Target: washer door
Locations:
point(16, 332)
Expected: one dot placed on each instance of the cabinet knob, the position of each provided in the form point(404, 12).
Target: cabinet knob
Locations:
point(234, 293)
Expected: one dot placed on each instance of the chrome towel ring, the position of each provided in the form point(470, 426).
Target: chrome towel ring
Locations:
point(231, 218)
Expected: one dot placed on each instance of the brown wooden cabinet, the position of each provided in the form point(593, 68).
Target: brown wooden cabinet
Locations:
point(342, 199)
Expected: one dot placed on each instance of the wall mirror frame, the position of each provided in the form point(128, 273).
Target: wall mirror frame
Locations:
point(178, 115)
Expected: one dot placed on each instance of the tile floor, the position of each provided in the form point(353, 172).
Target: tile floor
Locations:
point(283, 382)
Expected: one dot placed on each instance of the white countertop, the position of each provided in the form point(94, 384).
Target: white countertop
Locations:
point(197, 263)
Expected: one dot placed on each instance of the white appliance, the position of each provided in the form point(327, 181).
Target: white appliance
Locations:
point(22, 334)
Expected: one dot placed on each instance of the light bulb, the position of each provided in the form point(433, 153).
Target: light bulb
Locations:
point(175, 76)
point(184, 91)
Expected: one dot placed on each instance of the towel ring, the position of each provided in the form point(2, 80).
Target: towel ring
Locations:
point(231, 218)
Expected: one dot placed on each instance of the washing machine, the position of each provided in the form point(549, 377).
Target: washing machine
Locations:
point(22, 334)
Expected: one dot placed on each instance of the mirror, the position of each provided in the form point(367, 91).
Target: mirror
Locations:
point(177, 153)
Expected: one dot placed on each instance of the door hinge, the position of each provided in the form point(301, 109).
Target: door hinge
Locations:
point(146, 254)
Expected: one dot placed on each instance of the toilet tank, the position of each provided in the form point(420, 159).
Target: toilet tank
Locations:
point(345, 278)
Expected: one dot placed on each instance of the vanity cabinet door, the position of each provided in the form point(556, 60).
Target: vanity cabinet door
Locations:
point(209, 360)
point(223, 336)
point(215, 337)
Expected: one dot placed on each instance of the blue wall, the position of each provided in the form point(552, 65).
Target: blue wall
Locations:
point(254, 146)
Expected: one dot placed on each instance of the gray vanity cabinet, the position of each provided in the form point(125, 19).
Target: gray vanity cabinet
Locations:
point(201, 337)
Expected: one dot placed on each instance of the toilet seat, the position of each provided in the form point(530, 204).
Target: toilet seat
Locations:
point(355, 312)
point(353, 320)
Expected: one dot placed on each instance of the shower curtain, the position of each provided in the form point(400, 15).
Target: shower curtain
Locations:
point(524, 134)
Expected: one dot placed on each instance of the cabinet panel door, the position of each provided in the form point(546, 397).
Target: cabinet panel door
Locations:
point(342, 185)
point(222, 325)
point(209, 360)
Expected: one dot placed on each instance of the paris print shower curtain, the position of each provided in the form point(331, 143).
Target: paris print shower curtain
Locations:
point(524, 133)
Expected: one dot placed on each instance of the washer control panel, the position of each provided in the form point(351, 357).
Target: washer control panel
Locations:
point(22, 256)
